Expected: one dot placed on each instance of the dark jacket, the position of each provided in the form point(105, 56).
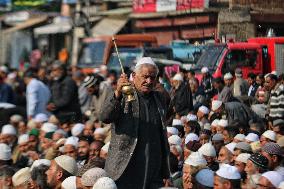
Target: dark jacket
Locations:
point(124, 131)
point(6, 93)
point(64, 94)
point(182, 100)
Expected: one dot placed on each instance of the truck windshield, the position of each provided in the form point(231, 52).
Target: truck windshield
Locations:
point(91, 54)
point(209, 57)
point(128, 57)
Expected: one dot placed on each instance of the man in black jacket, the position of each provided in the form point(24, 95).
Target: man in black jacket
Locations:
point(64, 101)
point(139, 149)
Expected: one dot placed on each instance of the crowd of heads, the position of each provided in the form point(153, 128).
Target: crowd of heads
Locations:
point(208, 150)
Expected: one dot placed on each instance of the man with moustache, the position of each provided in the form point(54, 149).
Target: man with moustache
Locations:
point(139, 149)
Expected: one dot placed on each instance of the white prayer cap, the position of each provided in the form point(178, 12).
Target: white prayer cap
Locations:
point(215, 122)
point(240, 137)
point(16, 118)
point(67, 163)
point(177, 122)
point(23, 139)
point(216, 104)
point(195, 159)
point(5, 152)
point(252, 137)
point(243, 157)
point(4, 69)
point(103, 67)
point(40, 118)
point(62, 132)
point(178, 77)
point(228, 76)
point(21, 176)
point(205, 177)
point(270, 135)
point(231, 147)
point(207, 126)
point(8, 130)
point(281, 185)
point(90, 177)
point(172, 130)
point(228, 172)
point(74, 141)
point(174, 140)
point(191, 117)
point(39, 162)
point(69, 183)
point(223, 123)
point(274, 177)
point(48, 127)
point(77, 129)
point(105, 183)
point(217, 137)
point(191, 137)
point(207, 150)
point(145, 60)
point(204, 70)
point(100, 131)
point(106, 147)
point(204, 109)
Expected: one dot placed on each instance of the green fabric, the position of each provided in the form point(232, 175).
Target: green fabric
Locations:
point(48, 135)
point(34, 132)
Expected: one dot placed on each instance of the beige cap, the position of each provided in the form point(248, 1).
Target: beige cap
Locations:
point(21, 176)
point(67, 163)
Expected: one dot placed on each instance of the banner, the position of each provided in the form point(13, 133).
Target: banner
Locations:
point(144, 6)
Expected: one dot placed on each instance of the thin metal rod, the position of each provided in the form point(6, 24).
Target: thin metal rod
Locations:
point(116, 50)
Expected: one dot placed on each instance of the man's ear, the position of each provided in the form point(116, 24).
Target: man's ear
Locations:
point(59, 174)
point(133, 74)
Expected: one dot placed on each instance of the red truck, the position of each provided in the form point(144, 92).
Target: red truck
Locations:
point(257, 55)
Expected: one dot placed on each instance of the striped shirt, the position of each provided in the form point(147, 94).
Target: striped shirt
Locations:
point(277, 103)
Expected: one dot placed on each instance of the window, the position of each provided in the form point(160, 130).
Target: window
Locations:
point(239, 58)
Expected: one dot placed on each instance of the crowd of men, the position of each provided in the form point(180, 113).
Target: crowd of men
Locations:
point(61, 128)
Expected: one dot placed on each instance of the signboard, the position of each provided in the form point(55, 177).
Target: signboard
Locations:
point(144, 6)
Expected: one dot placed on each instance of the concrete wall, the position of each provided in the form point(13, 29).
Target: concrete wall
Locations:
point(235, 24)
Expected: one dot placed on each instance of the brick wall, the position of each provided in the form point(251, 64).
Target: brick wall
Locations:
point(269, 5)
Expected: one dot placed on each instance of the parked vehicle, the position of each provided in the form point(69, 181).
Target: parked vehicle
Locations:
point(258, 55)
point(99, 50)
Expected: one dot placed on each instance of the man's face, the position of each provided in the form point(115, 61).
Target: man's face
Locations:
point(94, 151)
point(250, 168)
point(250, 81)
point(217, 144)
point(224, 156)
point(227, 138)
point(269, 157)
point(270, 83)
point(221, 185)
point(145, 79)
point(228, 82)
point(24, 147)
point(204, 138)
point(83, 149)
point(57, 136)
point(33, 142)
point(51, 174)
point(46, 143)
point(240, 166)
point(93, 90)
point(57, 73)
point(264, 183)
point(6, 183)
point(88, 130)
point(70, 150)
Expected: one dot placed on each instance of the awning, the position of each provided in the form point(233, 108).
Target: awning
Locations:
point(109, 26)
point(59, 25)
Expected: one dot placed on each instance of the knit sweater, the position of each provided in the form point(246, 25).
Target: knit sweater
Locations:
point(276, 103)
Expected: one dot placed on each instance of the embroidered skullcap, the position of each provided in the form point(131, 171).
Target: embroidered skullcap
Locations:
point(105, 183)
point(178, 77)
point(40, 118)
point(252, 137)
point(174, 140)
point(77, 129)
point(204, 109)
point(23, 138)
point(207, 150)
point(204, 70)
point(270, 135)
point(90, 177)
point(172, 130)
point(8, 130)
point(67, 163)
point(69, 183)
point(216, 104)
point(243, 157)
point(228, 76)
point(259, 160)
point(5, 152)
point(176, 122)
point(195, 159)
point(145, 60)
point(21, 176)
point(231, 147)
point(191, 137)
point(240, 137)
point(16, 118)
point(243, 146)
point(205, 177)
point(272, 149)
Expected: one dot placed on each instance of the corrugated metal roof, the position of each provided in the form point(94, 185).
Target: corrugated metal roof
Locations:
point(109, 26)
